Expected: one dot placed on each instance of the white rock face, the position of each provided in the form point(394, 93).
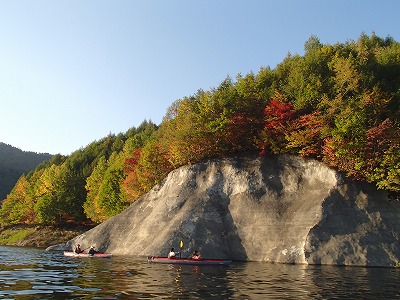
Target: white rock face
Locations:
point(279, 209)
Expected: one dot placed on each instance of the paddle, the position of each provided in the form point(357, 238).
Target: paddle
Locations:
point(180, 246)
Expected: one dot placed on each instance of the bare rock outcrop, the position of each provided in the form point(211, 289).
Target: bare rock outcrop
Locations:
point(279, 209)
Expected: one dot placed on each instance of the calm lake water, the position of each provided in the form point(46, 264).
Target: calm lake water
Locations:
point(27, 273)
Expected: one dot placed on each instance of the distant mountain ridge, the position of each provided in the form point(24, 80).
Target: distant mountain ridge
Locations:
point(13, 163)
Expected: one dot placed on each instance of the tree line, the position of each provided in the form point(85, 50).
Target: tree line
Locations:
point(336, 103)
point(13, 163)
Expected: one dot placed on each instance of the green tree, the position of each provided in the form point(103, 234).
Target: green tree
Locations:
point(382, 156)
point(112, 199)
point(48, 204)
point(59, 196)
point(93, 186)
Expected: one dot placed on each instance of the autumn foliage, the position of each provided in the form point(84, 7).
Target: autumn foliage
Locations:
point(336, 103)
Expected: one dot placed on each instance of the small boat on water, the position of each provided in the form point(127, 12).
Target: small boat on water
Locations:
point(73, 254)
point(188, 261)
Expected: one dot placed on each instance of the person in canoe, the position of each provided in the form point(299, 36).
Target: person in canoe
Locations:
point(196, 255)
point(78, 249)
point(92, 251)
point(172, 253)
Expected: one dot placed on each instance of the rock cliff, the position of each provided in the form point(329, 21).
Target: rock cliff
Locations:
point(279, 209)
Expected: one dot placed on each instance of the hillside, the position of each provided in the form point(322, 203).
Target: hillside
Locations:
point(338, 104)
point(13, 163)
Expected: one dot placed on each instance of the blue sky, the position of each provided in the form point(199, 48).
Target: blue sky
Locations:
point(73, 71)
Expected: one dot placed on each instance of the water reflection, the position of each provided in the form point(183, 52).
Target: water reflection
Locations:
point(270, 281)
point(198, 282)
point(355, 283)
point(35, 274)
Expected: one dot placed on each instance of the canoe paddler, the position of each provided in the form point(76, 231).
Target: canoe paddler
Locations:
point(78, 249)
point(92, 250)
point(196, 255)
point(172, 253)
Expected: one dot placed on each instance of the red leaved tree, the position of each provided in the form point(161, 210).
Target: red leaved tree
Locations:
point(277, 116)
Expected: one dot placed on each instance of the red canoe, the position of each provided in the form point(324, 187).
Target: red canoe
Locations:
point(188, 261)
point(73, 254)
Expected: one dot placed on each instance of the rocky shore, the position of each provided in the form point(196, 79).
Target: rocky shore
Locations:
point(278, 209)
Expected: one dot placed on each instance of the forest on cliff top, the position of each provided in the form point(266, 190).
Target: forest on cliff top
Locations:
point(336, 103)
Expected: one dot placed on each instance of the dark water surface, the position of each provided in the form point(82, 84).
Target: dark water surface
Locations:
point(27, 273)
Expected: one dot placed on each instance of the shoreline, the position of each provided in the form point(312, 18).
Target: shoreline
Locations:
point(39, 236)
